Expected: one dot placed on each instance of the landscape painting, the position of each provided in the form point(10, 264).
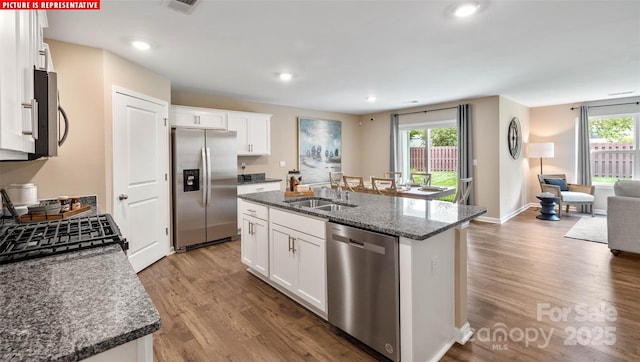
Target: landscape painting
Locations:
point(319, 149)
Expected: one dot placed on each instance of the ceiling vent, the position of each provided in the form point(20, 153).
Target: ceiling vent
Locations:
point(183, 6)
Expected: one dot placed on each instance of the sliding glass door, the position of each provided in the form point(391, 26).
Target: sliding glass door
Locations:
point(430, 148)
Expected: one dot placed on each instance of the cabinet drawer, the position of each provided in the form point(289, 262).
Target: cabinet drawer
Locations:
point(303, 223)
point(262, 187)
point(255, 210)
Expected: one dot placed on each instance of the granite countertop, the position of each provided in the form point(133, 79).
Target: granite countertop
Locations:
point(411, 218)
point(71, 306)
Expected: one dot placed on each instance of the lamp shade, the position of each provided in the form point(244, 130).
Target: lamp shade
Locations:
point(540, 150)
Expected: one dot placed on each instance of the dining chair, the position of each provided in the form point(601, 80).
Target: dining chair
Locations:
point(420, 178)
point(354, 183)
point(384, 185)
point(335, 179)
point(463, 190)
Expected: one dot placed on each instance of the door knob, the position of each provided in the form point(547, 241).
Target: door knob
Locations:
point(123, 197)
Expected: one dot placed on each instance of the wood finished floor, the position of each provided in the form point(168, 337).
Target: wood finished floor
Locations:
point(213, 310)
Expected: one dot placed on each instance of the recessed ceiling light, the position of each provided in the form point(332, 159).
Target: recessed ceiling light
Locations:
point(285, 76)
point(466, 9)
point(141, 45)
point(371, 98)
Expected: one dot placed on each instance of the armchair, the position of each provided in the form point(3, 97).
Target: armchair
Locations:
point(569, 194)
point(623, 228)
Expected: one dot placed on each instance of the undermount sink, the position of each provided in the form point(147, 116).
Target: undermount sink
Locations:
point(332, 207)
point(319, 204)
point(312, 203)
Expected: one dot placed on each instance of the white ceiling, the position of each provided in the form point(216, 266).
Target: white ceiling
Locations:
point(533, 52)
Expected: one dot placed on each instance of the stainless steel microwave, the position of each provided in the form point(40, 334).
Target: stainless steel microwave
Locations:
point(50, 114)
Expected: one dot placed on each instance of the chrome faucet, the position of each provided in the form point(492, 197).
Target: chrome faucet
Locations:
point(337, 192)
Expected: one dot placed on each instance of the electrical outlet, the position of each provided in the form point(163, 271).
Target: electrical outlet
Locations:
point(283, 164)
point(243, 165)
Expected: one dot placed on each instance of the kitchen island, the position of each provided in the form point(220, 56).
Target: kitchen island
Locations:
point(86, 304)
point(432, 257)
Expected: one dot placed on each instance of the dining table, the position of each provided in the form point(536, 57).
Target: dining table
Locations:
point(428, 193)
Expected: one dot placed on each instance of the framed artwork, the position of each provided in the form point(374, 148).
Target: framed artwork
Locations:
point(319, 149)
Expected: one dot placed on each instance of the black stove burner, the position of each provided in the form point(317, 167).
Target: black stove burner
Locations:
point(39, 239)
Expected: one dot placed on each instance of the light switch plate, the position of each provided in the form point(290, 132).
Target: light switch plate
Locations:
point(283, 164)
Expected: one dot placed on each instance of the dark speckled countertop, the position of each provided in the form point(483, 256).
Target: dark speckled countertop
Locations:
point(398, 216)
point(71, 306)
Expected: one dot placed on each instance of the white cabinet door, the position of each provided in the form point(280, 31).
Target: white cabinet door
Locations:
point(11, 138)
point(298, 263)
point(258, 135)
point(284, 265)
point(311, 286)
point(18, 110)
point(196, 117)
point(255, 244)
point(261, 235)
point(238, 123)
point(253, 129)
point(247, 243)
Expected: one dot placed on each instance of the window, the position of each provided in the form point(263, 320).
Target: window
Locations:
point(432, 148)
point(614, 147)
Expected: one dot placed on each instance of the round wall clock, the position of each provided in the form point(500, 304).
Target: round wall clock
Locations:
point(515, 138)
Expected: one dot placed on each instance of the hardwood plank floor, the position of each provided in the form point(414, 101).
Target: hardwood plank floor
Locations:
point(213, 310)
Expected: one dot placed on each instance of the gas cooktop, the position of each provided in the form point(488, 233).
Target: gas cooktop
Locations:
point(39, 239)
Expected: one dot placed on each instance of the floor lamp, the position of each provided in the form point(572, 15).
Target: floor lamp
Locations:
point(541, 150)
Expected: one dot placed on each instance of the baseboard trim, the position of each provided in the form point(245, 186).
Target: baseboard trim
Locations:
point(463, 334)
point(503, 219)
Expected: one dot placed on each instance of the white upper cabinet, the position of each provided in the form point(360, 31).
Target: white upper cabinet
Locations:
point(254, 132)
point(21, 44)
point(182, 116)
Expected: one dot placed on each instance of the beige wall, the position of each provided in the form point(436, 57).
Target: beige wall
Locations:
point(85, 79)
point(284, 132)
point(514, 173)
point(553, 124)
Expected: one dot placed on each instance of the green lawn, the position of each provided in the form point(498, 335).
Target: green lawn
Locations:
point(604, 180)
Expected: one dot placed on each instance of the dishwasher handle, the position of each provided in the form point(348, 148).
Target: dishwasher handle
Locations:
point(358, 244)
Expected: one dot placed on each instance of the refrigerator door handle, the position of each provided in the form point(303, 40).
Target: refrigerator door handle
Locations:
point(205, 182)
point(208, 175)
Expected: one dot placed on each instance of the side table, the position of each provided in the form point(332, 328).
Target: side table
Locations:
point(548, 206)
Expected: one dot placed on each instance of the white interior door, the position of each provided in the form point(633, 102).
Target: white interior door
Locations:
point(140, 171)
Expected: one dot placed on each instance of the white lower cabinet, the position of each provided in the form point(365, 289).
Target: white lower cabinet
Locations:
point(298, 258)
point(255, 236)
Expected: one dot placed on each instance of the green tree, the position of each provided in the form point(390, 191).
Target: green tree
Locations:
point(418, 134)
point(612, 129)
point(444, 136)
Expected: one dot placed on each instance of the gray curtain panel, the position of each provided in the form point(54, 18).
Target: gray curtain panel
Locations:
point(394, 163)
point(465, 153)
point(584, 151)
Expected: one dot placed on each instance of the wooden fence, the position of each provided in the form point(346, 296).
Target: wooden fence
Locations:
point(617, 164)
point(442, 158)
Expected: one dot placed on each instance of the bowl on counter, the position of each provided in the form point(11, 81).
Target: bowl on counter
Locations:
point(46, 207)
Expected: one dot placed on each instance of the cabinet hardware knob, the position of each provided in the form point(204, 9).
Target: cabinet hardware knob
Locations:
point(123, 197)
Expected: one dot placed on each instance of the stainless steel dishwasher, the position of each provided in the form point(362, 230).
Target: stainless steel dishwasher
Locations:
point(363, 287)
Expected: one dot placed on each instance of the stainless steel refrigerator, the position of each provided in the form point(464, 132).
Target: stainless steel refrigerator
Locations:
point(205, 181)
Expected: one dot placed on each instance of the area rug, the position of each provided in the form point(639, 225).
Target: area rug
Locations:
point(590, 229)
